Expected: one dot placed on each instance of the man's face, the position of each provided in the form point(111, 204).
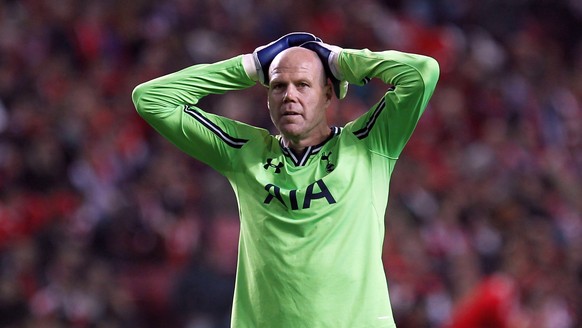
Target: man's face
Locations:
point(299, 95)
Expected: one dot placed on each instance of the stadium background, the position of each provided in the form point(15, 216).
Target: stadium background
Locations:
point(104, 224)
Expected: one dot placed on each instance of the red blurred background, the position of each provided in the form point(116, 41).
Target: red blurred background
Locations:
point(105, 224)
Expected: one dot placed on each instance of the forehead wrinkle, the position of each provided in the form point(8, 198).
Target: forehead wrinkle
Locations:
point(304, 68)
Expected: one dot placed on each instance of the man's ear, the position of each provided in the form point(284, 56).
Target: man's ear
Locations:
point(328, 90)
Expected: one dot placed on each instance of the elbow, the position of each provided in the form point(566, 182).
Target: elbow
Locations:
point(430, 70)
point(431, 63)
point(136, 95)
point(142, 96)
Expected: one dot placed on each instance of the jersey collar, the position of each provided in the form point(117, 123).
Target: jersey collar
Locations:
point(301, 160)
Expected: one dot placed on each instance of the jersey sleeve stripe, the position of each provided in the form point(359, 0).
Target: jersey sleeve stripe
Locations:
point(363, 132)
point(228, 139)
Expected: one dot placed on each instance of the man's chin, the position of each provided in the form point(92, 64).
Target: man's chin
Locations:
point(290, 130)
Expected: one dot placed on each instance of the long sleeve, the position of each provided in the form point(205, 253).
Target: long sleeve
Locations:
point(388, 125)
point(168, 104)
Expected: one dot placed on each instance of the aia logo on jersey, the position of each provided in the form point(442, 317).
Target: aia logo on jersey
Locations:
point(299, 199)
point(270, 164)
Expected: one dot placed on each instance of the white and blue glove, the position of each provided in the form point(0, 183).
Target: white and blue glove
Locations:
point(264, 55)
point(329, 57)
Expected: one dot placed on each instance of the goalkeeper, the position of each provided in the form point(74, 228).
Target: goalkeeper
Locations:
point(312, 199)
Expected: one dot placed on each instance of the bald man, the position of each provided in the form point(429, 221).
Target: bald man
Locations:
point(299, 95)
point(312, 199)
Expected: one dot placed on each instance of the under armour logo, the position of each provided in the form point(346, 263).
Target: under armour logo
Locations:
point(270, 164)
point(329, 166)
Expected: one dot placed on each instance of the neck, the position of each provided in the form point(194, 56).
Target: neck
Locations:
point(298, 145)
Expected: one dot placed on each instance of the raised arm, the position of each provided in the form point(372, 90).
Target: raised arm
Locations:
point(411, 80)
point(168, 103)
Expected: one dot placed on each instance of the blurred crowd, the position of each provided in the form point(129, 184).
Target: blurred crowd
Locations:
point(105, 224)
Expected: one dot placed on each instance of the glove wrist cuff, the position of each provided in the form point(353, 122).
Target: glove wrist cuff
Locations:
point(250, 66)
point(332, 61)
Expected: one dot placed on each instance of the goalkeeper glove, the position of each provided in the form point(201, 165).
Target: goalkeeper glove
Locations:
point(329, 57)
point(264, 55)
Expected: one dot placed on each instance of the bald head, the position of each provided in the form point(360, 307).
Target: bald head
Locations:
point(298, 59)
point(298, 97)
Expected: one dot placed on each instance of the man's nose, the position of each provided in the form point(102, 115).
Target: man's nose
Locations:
point(290, 93)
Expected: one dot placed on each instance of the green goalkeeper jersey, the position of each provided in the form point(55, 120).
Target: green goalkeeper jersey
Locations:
point(312, 224)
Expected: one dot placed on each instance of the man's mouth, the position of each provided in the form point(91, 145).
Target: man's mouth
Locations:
point(290, 113)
